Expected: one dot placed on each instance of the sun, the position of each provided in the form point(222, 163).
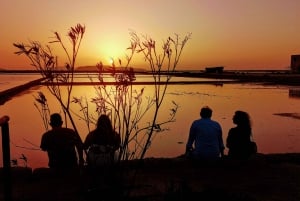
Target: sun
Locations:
point(111, 61)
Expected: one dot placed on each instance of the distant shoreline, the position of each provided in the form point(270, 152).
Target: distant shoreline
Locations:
point(140, 70)
point(284, 77)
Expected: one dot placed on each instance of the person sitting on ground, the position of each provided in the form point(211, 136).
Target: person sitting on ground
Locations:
point(102, 143)
point(61, 145)
point(239, 138)
point(206, 136)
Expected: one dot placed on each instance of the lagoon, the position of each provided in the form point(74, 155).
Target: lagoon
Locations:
point(274, 109)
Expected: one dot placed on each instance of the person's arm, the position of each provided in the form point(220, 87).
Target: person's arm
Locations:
point(229, 139)
point(79, 147)
point(190, 141)
point(43, 145)
point(221, 143)
point(222, 152)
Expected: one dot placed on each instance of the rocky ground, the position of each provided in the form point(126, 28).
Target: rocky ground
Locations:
point(274, 177)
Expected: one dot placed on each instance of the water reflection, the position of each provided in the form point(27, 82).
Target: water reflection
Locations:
point(274, 133)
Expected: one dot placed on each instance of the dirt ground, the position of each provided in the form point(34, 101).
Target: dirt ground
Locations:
point(272, 177)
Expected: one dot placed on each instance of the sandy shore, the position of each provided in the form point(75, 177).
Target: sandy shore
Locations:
point(273, 177)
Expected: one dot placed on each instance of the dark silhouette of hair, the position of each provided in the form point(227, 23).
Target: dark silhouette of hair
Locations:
point(104, 124)
point(104, 134)
point(206, 112)
point(55, 120)
point(242, 119)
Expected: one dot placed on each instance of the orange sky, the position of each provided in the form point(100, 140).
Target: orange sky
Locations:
point(237, 34)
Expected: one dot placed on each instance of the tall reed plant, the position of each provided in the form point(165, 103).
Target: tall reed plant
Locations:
point(45, 62)
point(127, 106)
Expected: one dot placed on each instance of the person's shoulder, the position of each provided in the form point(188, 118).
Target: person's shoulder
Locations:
point(215, 121)
point(47, 133)
point(67, 130)
point(233, 130)
point(197, 120)
point(91, 133)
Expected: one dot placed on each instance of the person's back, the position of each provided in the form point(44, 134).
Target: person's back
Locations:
point(60, 144)
point(102, 143)
point(206, 136)
point(239, 137)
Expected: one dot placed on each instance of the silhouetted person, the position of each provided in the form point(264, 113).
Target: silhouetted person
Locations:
point(61, 145)
point(205, 137)
point(239, 137)
point(104, 141)
point(101, 145)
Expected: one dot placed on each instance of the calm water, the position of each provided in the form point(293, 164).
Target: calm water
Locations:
point(8, 81)
point(273, 133)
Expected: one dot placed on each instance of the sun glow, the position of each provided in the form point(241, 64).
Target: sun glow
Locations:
point(111, 61)
point(112, 50)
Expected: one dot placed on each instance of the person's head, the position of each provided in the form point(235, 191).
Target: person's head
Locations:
point(55, 120)
point(206, 112)
point(241, 118)
point(104, 122)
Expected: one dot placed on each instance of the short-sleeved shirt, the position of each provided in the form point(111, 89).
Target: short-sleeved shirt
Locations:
point(206, 135)
point(60, 144)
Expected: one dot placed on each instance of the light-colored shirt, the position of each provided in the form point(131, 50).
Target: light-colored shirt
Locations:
point(206, 136)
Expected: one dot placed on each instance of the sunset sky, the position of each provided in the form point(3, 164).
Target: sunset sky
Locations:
point(236, 34)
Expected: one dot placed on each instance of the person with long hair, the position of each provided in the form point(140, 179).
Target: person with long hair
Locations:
point(239, 138)
point(102, 143)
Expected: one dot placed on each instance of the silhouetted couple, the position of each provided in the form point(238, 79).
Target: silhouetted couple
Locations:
point(65, 154)
point(65, 147)
point(205, 139)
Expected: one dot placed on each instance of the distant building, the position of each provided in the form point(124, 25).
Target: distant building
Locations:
point(295, 63)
